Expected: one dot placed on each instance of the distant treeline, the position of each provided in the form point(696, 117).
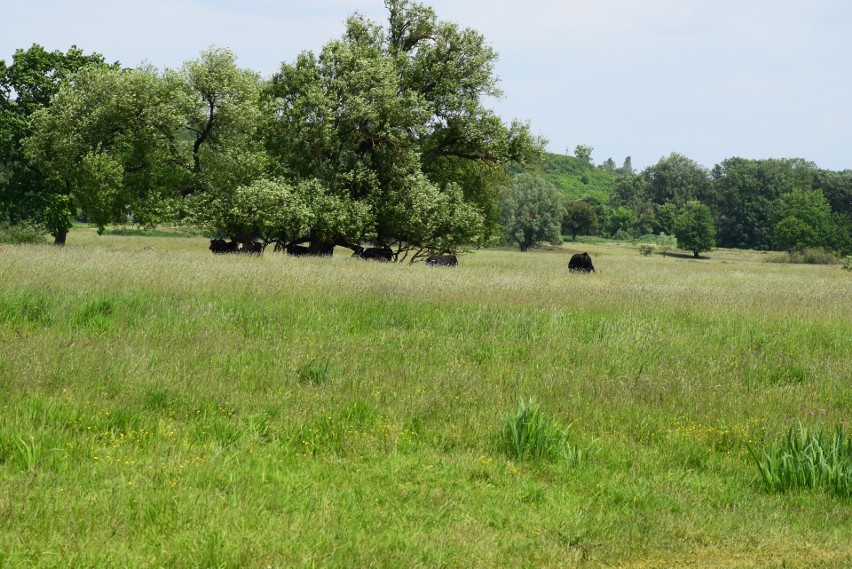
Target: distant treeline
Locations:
point(784, 204)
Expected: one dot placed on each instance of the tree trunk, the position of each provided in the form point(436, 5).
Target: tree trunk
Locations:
point(695, 254)
point(524, 247)
point(59, 238)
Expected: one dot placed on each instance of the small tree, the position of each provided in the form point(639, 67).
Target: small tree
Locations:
point(532, 212)
point(579, 217)
point(665, 243)
point(694, 228)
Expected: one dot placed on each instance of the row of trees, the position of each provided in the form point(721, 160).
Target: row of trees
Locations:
point(759, 204)
point(383, 137)
point(535, 212)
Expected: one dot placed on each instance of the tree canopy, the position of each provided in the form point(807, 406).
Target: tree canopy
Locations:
point(532, 212)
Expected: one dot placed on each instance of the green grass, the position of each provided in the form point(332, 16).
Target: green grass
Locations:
point(808, 460)
point(163, 406)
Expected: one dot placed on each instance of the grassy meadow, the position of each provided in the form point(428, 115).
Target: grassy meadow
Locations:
point(163, 406)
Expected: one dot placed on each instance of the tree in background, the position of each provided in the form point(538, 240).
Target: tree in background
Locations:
point(745, 192)
point(694, 228)
point(802, 219)
point(579, 218)
point(26, 86)
point(532, 212)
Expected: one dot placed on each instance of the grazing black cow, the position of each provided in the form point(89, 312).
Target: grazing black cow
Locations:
point(581, 263)
point(222, 246)
point(218, 246)
point(381, 254)
point(251, 247)
point(297, 250)
point(442, 261)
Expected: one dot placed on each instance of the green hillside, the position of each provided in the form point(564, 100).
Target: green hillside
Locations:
point(575, 177)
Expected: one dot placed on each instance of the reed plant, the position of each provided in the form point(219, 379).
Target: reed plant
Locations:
point(808, 459)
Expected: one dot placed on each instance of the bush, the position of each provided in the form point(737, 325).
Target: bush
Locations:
point(22, 233)
point(816, 256)
point(808, 460)
point(847, 263)
point(646, 249)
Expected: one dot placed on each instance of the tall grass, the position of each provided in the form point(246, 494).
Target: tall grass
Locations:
point(808, 459)
point(160, 405)
point(531, 434)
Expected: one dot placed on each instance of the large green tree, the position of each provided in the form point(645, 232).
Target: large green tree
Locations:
point(802, 219)
point(532, 212)
point(694, 228)
point(27, 85)
point(394, 118)
point(580, 217)
point(143, 146)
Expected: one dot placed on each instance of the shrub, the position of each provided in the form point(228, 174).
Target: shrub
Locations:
point(646, 249)
point(816, 256)
point(22, 233)
point(530, 434)
point(847, 263)
point(807, 460)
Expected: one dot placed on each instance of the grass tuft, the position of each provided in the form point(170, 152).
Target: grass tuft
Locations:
point(531, 434)
point(808, 460)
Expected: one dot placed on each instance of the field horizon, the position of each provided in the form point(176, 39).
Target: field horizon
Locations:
point(163, 406)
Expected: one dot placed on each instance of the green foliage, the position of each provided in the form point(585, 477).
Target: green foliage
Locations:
point(745, 192)
point(23, 232)
point(33, 78)
point(665, 243)
point(674, 179)
point(383, 113)
point(576, 179)
point(531, 434)
point(807, 460)
point(694, 228)
point(803, 219)
point(847, 263)
point(645, 249)
point(580, 218)
point(816, 256)
point(532, 212)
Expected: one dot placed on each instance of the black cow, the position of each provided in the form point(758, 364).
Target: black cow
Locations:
point(297, 250)
point(442, 261)
point(381, 254)
point(218, 246)
point(222, 246)
point(581, 263)
point(251, 247)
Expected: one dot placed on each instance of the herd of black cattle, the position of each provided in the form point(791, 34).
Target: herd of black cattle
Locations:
point(580, 262)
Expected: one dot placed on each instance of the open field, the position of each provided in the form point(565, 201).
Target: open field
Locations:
point(162, 406)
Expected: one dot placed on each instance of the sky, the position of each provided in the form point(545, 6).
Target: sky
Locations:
point(709, 79)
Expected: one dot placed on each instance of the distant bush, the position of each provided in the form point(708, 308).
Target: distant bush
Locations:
point(22, 233)
point(808, 460)
point(808, 256)
point(817, 256)
point(646, 249)
point(847, 263)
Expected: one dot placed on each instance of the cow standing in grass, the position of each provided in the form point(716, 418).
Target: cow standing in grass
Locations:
point(581, 263)
point(442, 261)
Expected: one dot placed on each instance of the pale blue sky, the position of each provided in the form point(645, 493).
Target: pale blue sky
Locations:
point(709, 79)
